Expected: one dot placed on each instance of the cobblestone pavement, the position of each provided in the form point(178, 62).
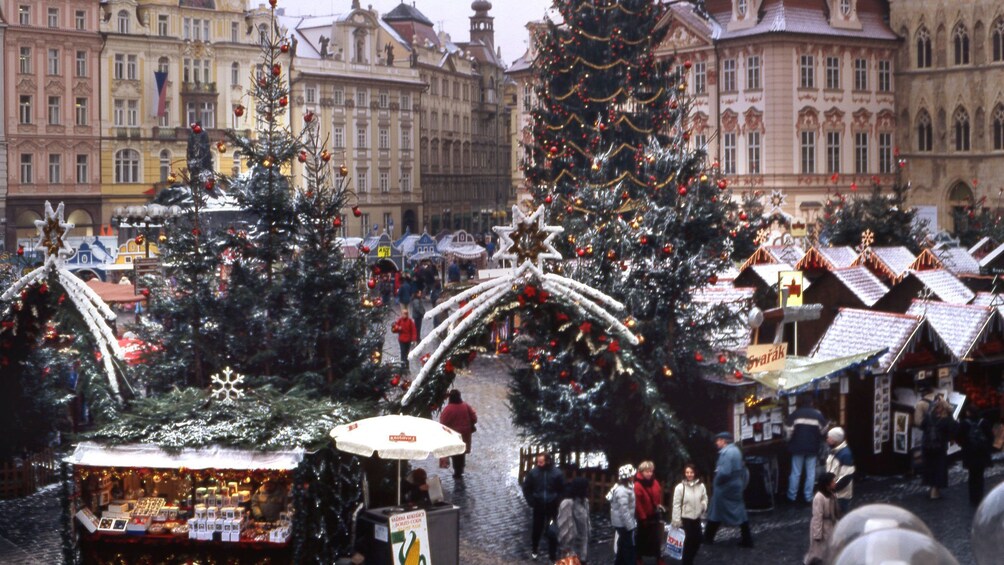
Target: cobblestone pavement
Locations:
point(494, 519)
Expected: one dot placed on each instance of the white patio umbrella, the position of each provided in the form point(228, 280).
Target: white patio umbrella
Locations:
point(398, 437)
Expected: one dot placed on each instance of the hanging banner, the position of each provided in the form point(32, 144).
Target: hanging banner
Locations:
point(792, 280)
point(769, 357)
point(409, 538)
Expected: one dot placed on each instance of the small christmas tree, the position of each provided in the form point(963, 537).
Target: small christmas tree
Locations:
point(888, 216)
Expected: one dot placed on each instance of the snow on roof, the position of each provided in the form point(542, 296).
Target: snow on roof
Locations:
point(838, 257)
point(992, 255)
point(896, 259)
point(804, 17)
point(404, 12)
point(863, 283)
point(854, 331)
point(407, 243)
point(978, 245)
point(989, 299)
point(721, 292)
point(945, 286)
point(790, 254)
point(961, 326)
point(768, 273)
point(151, 456)
point(958, 260)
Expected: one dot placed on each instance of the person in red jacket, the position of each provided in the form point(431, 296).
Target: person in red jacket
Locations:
point(459, 417)
point(406, 332)
point(649, 511)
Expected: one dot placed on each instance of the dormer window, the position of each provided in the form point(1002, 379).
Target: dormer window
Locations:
point(741, 8)
point(845, 7)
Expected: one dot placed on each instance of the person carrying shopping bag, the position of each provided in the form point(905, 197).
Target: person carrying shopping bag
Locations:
point(690, 502)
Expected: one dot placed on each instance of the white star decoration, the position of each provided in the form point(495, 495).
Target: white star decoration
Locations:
point(52, 233)
point(225, 387)
point(777, 200)
point(527, 239)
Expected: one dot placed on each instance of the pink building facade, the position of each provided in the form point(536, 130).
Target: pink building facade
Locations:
point(51, 113)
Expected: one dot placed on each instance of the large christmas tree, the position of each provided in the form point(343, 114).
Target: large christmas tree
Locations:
point(886, 213)
point(647, 223)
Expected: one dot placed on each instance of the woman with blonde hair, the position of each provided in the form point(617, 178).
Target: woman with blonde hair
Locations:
point(649, 511)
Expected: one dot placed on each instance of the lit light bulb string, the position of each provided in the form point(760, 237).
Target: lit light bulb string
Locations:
point(624, 118)
point(587, 6)
point(569, 40)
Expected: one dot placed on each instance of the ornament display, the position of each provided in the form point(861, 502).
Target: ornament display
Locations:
point(225, 385)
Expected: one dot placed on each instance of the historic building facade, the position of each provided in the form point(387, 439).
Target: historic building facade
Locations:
point(950, 80)
point(353, 72)
point(51, 91)
point(791, 99)
point(463, 135)
point(203, 52)
point(521, 75)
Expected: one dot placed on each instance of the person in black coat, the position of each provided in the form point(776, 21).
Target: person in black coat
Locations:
point(975, 437)
point(939, 428)
point(542, 489)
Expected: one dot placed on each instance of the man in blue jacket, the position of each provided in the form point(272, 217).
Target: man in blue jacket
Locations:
point(807, 426)
point(542, 489)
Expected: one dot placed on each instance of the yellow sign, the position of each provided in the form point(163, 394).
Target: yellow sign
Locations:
point(798, 229)
point(769, 357)
point(383, 251)
point(791, 280)
point(409, 539)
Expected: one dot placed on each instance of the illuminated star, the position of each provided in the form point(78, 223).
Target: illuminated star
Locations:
point(777, 200)
point(51, 233)
point(527, 239)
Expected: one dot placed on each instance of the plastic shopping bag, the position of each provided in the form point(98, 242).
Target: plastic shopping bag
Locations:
point(674, 543)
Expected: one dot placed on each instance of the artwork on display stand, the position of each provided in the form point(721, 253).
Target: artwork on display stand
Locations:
point(901, 430)
point(883, 401)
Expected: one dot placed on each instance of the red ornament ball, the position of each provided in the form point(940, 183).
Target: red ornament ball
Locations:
point(20, 250)
point(276, 69)
point(667, 249)
point(273, 3)
point(395, 380)
point(145, 292)
point(687, 64)
point(308, 117)
point(337, 222)
point(283, 101)
point(284, 48)
point(682, 190)
point(698, 357)
point(196, 128)
point(722, 183)
point(371, 283)
point(210, 184)
point(737, 374)
point(554, 150)
point(743, 216)
point(364, 248)
point(356, 211)
point(722, 358)
point(239, 110)
point(302, 157)
point(548, 199)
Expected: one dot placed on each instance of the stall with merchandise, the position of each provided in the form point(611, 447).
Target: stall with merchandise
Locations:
point(194, 505)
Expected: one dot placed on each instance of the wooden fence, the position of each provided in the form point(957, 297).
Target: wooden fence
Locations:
point(24, 476)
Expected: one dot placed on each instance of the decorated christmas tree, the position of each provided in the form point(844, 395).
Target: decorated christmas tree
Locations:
point(885, 213)
point(977, 220)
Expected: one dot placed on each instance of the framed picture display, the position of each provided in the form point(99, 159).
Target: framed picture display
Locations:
point(901, 430)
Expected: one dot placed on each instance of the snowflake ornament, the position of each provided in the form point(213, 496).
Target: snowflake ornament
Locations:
point(762, 235)
point(776, 201)
point(52, 233)
point(225, 386)
point(867, 239)
point(527, 239)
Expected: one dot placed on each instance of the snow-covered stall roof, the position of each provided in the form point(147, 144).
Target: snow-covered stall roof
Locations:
point(962, 326)
point(461, 245)
point(958, 261)
point(91, 454)
point(945, 286)
point(863, 283)
point(827, 257)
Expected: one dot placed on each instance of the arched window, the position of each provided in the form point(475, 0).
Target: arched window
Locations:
point(997, 39)
point(163, 64)
point(925, 133)
point(235, 73)
point(126, 166)
point(960, 39)
point(998, 128)
point(165, 165)
point(923, 48)
point(263, 33)
point(960, 201)
point(960, 125)
point(123, 21)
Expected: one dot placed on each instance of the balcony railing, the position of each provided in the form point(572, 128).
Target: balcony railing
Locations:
point(198, 88)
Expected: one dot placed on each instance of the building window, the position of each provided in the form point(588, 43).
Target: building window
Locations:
point(361, 135)
point(165, 165)
point(162, 25)
point(132, 113)
point(81, 63)
point(55, 168)
point(24, 109)
point(960, 40)
point(434, 86)
point(384, 183)
point(82, 169)
point(833, 73)
point(80, 20)
point(729, 153)
point(860, 74)
point(405, 139)
point(163, 65)
point(55, 103)
point(24, 15)
point(885, 76)
point(753, 73)
point(235, 73)
point(997, 39)
point(52, 18)
point(729, 75)
point(861, 152)
point(383, 99)
point(753, 152)
point(338, 96)
point(405, 181)
point(700, 142)
point(434, 121)
point(80, 111)
point(960, 123)
point(361, 98)
point(338, 135)
point(923, 48)
point(808, 151)
point(925, 133)
point(364, 222)
point(118, 67)
point(885, 152)
point(131, 67)
point(382, 139)
point(24, 60)
point(807, 71)
point(186, 28)
point(123, 21)
point(235, 32)
point(406, 102)
point(456, 123)
point(27, 168)
point(361, 186)
point(126, 166)
point(52, 62)
point(310, 94)
point(700, 78)
point(833, 152)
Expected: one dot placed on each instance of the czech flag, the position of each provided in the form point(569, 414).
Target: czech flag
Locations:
point(161, 80)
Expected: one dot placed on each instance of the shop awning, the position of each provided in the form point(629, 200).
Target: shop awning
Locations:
point(91, 454)
point(801, 373)
point(115, 292)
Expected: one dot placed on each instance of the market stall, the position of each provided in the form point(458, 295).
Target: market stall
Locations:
point(196, 505)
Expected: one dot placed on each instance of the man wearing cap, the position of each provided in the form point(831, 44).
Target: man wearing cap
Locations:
point(807, 425)
point(727, 505)
point(840, 462)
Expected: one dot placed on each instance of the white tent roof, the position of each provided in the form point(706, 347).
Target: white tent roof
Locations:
point(89, 454)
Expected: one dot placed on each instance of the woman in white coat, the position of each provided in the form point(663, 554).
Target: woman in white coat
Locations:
point(690, 502)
